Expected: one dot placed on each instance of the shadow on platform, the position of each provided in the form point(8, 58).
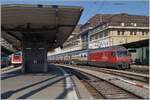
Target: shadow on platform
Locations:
point(7, 94)
point(52, 70)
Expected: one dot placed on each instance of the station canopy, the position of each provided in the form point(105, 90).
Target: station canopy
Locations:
point(54, 23)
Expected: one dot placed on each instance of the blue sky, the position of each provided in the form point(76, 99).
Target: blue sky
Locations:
point(92, 7)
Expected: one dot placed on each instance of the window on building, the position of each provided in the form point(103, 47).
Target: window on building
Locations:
point(146, 32)
point(90, 38)
point(96, 36)
point(134, 24)
point(122, 24)
point(101, 35)
point(143, 32)
point(131, 32)
point(118, 32)
point(85, 37)
point(134, 33)
point(84, 55)
point(122, 32)
point(105, 34)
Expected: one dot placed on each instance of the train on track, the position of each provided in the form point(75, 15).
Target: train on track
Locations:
point(112, 57)
point(13, 59)
point(16, 58)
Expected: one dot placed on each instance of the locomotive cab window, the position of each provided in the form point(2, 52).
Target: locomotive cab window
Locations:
point(122, 53)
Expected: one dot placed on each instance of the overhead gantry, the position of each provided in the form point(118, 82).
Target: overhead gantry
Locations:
point(39, 28)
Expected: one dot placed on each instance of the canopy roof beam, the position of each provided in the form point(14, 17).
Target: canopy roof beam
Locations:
point(28, 29)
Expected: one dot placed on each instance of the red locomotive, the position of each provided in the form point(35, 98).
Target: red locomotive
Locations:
point(112, 57)
point(16, 58)
point(115, 57)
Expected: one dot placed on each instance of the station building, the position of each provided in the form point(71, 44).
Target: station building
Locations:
point(119, 29)
point(122, 29)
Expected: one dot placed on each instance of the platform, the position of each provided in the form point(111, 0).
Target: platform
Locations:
point(55, 84)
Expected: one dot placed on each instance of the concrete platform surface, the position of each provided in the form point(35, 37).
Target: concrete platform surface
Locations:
point(56, 84)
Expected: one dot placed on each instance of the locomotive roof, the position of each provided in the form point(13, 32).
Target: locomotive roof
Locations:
point(112, 48)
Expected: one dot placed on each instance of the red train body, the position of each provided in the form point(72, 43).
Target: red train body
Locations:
point(16, 58)
point(111, 57)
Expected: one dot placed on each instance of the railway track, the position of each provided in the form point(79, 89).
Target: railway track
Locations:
point(138, 70)
point(102, 89)
point(130, 75)
point(121, 73)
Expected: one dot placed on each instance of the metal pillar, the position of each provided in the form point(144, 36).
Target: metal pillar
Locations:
point(34, 54)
